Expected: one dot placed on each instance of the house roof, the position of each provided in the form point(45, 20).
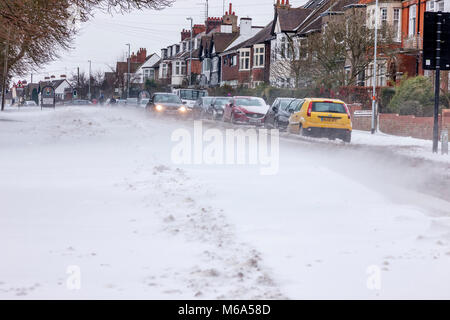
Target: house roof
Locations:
point(314, 20)
point(290, 18)
point(264, 35)
point(236, 44)
point(223, 40)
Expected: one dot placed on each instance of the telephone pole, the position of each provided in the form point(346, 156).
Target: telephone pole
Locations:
point(129, 70)
point(190, 53)
point(89, 93)
point(5, 70)
point(374, 91)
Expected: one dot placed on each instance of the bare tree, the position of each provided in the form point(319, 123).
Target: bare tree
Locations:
point(321, 57)
point(36, 30)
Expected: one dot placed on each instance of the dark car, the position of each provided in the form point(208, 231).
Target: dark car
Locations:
point(200, 107)
point(277, 116)
point(217, 107)
point(246, 110)
point(81, 102)
point(167, 103)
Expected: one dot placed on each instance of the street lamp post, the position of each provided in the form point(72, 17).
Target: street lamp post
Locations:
point(129, 70)
point(190, 53)
point(374, 91)
point(89, 92)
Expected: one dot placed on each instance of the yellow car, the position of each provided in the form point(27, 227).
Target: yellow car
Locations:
point(320, 118)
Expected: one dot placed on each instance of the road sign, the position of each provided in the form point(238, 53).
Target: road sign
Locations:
point(48, 97)
point(430, 40)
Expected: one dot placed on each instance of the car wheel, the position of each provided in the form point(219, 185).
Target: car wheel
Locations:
point(232, 120)
point(276, 124)
point(347, 137)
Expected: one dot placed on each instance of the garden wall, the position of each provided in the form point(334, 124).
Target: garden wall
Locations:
point(406, 126)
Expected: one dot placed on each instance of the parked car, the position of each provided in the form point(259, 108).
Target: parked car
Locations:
point(320, 118)
point(217, 107)
point(143, 103)
point(167, 103)
point(277, 117)
point(246, 110)
point(190, 96)
point(132, 102)
point(81, 102)
point(30, 103)
point(200, 106)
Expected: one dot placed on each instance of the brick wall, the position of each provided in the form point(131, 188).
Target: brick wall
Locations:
point(359, 122)
point(406, 126)
point(229, 73)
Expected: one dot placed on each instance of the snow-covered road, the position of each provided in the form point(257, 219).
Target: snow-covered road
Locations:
point(90, 197)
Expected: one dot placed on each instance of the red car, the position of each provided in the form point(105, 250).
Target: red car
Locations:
point(246, 110)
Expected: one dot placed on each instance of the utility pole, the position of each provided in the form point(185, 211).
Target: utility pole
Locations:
point(89, 92)
point(5, 70)
point(374, 91)
point(190, 53)
point(129, 70)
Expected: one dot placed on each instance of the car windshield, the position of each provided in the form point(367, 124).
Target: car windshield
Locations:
point(247, 102)
point(284, 103)
point(332, 107)
point(191, 94)
point(221, 101)
point(167, 98)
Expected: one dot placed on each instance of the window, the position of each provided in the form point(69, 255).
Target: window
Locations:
point(302, 45)
point(258, 58)
point(430, 5)
point(151, 75)
point(412, 21)
point(244, 63)
point(397, 24)
point(441, 6)
point(206, 65)
point(184, 46)
point(165, 70)
point(146, 74)
point(180, 67)
point(283, 47)
point(383, 13)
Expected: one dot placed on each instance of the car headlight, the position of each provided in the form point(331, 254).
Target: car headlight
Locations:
point(182, 109)
point(159, 108)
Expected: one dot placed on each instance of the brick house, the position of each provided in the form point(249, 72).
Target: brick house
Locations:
point(213, 44)
point(235, 55)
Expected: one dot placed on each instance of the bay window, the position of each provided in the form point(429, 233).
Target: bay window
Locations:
point(258, 57)
point(244, 62)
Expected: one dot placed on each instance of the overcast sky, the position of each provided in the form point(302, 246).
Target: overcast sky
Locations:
point(103, 39)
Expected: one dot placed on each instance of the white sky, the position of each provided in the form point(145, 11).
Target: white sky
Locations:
point(103, 39)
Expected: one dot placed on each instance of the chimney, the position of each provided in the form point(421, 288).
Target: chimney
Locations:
point(231, 19)
point(185, 34)
point(212, 23)
point(140, 56)
point(283, 5)
point(198, 28)
point(246, 26)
